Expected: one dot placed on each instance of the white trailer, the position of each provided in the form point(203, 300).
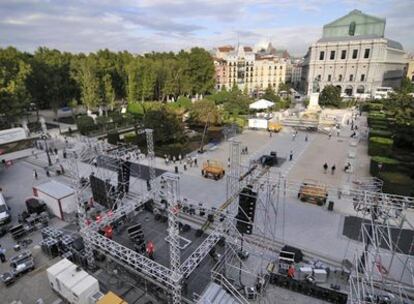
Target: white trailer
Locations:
point(59, 198)
point(72, 283)
point(258, 123)
point(11, 135)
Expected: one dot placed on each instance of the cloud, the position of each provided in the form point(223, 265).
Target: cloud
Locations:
point(146, 25)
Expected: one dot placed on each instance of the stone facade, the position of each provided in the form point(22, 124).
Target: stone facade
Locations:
point(354, 55)
point(410, 69)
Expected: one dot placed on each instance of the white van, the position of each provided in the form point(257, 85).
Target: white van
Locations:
point(4, 211)
point(383, 92)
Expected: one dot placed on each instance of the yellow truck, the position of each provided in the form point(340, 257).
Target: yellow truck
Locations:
point(313, 192)
point(212, 168)
point(274, 127)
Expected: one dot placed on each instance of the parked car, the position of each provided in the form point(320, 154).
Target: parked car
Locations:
point(5, 216)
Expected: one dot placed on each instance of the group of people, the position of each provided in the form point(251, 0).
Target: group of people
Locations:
point(188, 161)
point(325, 168)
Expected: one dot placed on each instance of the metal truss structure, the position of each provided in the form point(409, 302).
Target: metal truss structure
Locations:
point(173, 195)
point(382, 272)
point(272, 190)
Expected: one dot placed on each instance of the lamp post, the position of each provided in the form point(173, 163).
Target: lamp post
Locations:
point(44, 137)
point(379, 169)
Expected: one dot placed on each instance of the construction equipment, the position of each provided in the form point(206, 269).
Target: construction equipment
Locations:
point(71, 282)
point(111, 298)
point(20, 264)
point(213, 168)
point(313, 192)
point(274, 127)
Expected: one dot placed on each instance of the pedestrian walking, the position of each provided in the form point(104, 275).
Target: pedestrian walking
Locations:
point(291, 155)
point(62, 169)
point(333, 169)
point(228, 162)
point(338, 132)
point(2, 254)
point(179, 158)
point(47, 172)
point(195, 162)
point(293, 136)
point(325, 167)
point(306, 137)
point(270, 133)
point(174, 159)
point(56, 151)
point(330, 135)
point(35, 174)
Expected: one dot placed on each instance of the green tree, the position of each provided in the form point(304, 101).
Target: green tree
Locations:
point(166, 125)
point(109, 92)
point(90, 86)
point(330, 96)
point(270, 95)
point(51, 83)
point(284, 87)
point(73, 105)
point(200, 69)
point(14, 96)
point(406, 86)
point(204, 111)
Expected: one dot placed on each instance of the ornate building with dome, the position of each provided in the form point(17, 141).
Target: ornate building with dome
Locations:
point(354, 55)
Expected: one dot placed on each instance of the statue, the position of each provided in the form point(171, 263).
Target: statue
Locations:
point(43, 125)
point(314, 97)
point(315, 86)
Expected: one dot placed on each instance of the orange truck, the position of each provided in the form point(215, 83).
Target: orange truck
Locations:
point(212, 168)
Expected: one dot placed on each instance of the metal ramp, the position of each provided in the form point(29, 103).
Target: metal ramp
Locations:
point(215, 294)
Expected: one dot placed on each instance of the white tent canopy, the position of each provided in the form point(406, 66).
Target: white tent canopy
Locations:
point(261, 104)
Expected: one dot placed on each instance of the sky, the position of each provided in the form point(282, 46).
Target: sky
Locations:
point(141, 26)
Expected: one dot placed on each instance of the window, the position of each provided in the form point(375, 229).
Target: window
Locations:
point(352, 27)
point(351, 77)
point(329, 77)
point(332, 57)
point(354, 54)
point(362, 77)
point(343, 54)
point(321, 55)
point(366, 53)
point(340, 77)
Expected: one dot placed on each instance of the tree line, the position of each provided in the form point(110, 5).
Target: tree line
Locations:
point(52, 79)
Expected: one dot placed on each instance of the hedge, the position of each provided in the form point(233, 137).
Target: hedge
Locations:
point(380, 133)
point(397, 183)
point(135, 109)
point(388, 164)
point(381, 146)
point(113, 137)
point(375, 106)
point(85, 124)
point(378, 126)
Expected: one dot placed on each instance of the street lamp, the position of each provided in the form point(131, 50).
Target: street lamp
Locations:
point(379, 168)
point(44, 137)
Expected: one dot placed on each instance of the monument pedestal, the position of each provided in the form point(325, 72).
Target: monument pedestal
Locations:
point(314, 102)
